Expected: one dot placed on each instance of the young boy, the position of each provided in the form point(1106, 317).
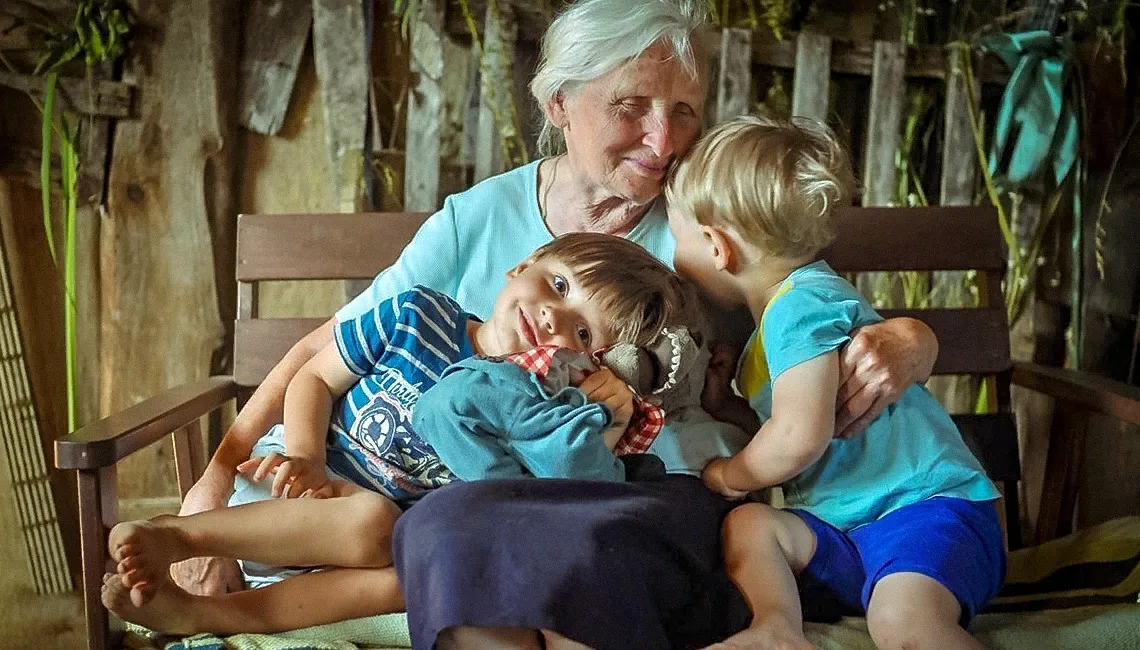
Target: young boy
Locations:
point(348, 433)
point(899, 522)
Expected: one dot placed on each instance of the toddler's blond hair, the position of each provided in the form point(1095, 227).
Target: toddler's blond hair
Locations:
point(776, 182)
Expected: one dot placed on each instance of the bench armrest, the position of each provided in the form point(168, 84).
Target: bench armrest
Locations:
point(1089, 391)
point(106, 442)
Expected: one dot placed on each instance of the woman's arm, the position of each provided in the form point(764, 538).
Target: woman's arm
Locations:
point(879, 364)
point(212, 576)
point(797, 434)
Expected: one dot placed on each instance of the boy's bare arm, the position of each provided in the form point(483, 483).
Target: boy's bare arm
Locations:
point(797, 434)
point(308, 409)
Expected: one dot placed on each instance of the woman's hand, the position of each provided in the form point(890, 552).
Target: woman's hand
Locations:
point(294, 476)
point(718, 398)
point(877, 366)
point(713, 476)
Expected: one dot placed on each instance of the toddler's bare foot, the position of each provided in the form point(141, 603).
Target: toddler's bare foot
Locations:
point(144, 551)
point(772, 636)
point(169, 610)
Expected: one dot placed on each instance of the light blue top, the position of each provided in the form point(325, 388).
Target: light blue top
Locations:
point(465, 251)
point(399, 349)
point(910, 453)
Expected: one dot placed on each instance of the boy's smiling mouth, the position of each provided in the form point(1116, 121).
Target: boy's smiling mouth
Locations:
point(527, 329)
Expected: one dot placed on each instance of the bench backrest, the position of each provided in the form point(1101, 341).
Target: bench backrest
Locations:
point(972, 341)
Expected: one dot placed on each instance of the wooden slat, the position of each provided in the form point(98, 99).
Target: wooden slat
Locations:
point(425, 109)
point(970, 341)
point(1062, 470)
point(341, 59)
point(496, 81)
point(921, 239)
point(260, 343)
point(280, 247)
point(734, 82)
point(275, 37)
point(888, 94)
point(812, 76)
point(100, 98)
point(189, 457)
point(847, 57)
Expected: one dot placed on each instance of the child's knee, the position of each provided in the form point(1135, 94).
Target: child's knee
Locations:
point(906, 608)
point(372, 520)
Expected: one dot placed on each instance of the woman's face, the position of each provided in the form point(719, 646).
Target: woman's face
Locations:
point(624, 129)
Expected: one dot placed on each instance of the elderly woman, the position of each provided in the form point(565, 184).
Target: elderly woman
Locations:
point(610, 565)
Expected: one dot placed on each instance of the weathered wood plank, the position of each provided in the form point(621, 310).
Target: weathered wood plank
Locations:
point(734, 83)
point(340, 53)
point(275, 35)
point(160, 313)
point(425, 109)
point(857, 57)
point(959, 173)
point(496, 83)
point(888, 94)
point(812, 76)
point(100, 98)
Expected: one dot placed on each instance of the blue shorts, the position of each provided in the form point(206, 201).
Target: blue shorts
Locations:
point(956, 542)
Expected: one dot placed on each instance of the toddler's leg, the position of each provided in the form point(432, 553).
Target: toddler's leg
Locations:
point(911, 610)
point(353, 530)
point(763, 548)
point(309, 599)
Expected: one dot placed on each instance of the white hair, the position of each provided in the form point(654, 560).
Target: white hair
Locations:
point(591, 38)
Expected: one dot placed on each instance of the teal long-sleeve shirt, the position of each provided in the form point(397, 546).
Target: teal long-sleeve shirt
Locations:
point(492, 419)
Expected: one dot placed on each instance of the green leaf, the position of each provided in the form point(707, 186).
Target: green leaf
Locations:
point(45, 159)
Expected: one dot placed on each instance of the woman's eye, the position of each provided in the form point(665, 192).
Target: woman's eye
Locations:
point(560, 285)
point(584, 336)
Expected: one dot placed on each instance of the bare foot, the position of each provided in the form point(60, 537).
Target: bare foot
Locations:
point(168, 611)
point(144, 551)
point(769, 637)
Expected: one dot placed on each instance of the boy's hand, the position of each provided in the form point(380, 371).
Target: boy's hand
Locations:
point(294, 476)
point(713, 476)
point(607, 388)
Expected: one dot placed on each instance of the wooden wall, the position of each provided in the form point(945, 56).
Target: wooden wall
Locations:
point(181, 169)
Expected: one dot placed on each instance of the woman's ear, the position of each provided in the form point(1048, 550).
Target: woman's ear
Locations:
point(723, 249)
point(555, 110)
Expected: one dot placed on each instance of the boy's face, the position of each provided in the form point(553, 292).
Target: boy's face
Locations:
point(694, 257)
point(543, 304)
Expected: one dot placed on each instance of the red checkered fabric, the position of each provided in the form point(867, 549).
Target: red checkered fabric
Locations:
point(644, 426)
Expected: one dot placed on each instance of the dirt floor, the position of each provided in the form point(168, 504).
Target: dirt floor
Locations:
point(29, 621)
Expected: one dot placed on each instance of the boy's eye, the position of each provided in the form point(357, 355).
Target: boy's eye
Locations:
point(584, 336)
point(560, 285)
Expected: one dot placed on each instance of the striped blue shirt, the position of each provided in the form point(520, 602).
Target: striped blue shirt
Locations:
point(399, 349)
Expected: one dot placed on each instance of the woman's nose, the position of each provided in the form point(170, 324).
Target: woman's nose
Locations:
point(658, 134)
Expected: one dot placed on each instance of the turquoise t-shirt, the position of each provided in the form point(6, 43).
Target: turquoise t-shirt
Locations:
point(465, 251)
point(910, 453)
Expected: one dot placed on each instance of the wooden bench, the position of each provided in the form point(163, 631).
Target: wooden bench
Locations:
point(972, 341)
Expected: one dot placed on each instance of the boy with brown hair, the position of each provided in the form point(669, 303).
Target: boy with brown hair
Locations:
point(898, 523)
point(348, 434)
